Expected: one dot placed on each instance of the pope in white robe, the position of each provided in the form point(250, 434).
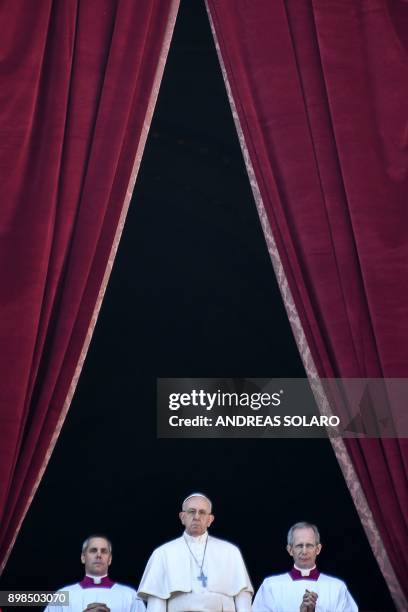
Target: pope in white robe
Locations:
point(196, 572)
point(304, 588)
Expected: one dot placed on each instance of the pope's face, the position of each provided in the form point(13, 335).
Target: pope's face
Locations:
point(97, 557)
point(304, 549)
point(196, 516)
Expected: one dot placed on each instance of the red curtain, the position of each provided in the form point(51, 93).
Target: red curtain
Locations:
point(78, 84)
point(319, 89)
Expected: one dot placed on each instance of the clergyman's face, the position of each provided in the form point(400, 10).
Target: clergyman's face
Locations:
point(196, 516)
point(304, 549)
point(97, 557)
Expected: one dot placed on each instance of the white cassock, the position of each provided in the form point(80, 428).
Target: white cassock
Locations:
point(283, 594)
point(171, 579)
point(118, 597)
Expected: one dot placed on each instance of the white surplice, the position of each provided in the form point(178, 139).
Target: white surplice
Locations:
point(283, 594)
point(118, 598)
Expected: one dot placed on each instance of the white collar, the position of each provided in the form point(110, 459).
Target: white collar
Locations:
point(96, 579)
point(304, 572)
point(201, 539)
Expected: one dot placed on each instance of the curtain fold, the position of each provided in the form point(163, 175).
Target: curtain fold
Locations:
point(318, 91)
point(79, 81)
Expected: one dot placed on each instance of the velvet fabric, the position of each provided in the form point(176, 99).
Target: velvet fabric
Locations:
point(319, 90)
point(78, 81)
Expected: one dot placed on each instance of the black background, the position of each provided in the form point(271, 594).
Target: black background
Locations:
point(192, 294)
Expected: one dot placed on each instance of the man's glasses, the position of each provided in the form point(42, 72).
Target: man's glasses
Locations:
point(193, 512)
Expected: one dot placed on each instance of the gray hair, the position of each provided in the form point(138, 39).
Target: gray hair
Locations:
point(302, 525)
point(196, 494)
point(96, 535)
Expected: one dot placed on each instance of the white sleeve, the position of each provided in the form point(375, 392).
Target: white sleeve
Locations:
point(263, 600)
point(155, 604)
point(345, 602)
point(243, 601)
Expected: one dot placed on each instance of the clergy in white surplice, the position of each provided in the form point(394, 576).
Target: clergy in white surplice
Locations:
point(97, 592)
point(304, 588)
point(196, 572)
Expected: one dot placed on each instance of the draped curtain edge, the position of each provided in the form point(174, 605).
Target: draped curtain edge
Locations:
point(173, 11)
point(342, 456)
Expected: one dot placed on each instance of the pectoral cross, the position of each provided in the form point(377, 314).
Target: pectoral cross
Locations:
point(203, 578)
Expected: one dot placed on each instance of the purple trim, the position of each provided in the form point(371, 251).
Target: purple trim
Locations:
point(295, 574)
point(88, 583)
